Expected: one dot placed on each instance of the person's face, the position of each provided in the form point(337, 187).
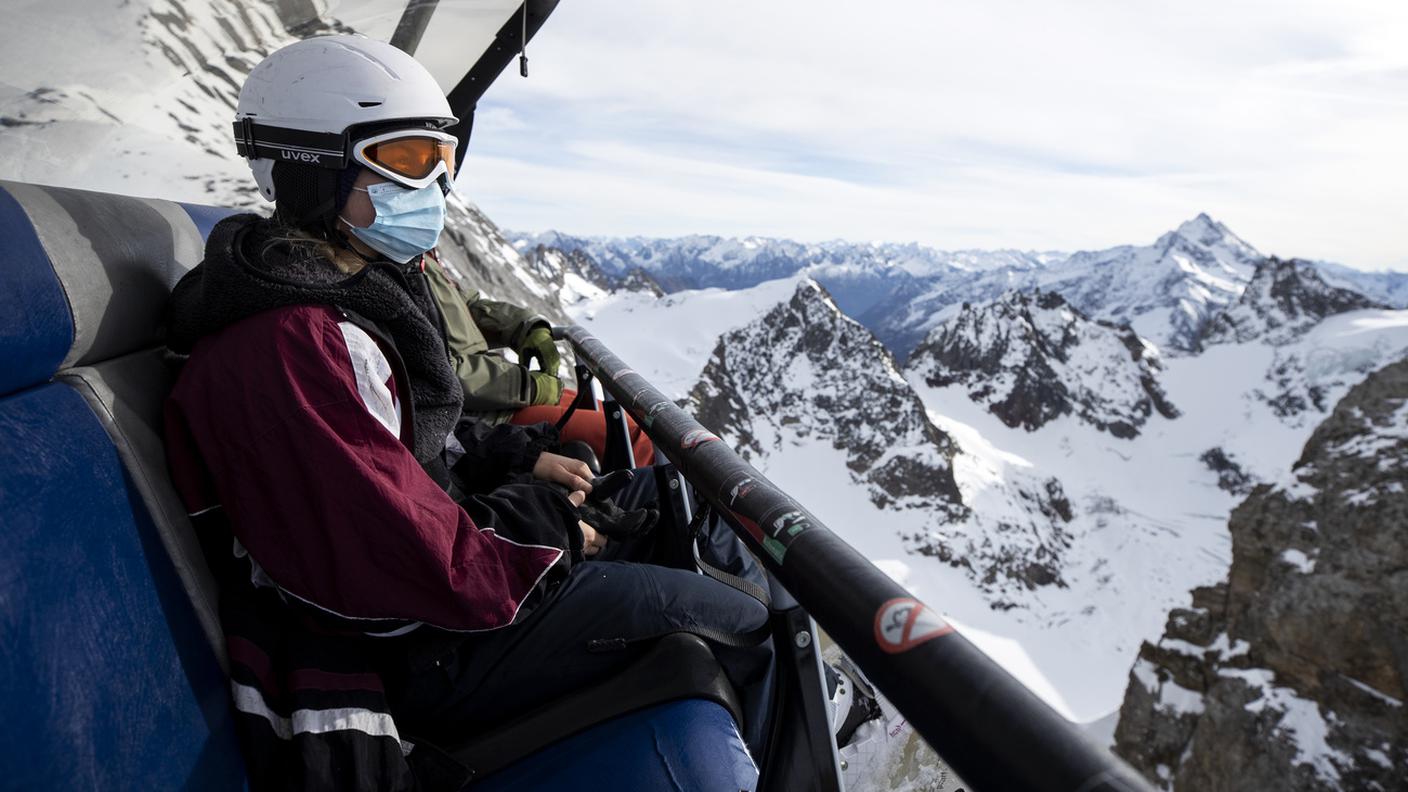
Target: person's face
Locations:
point(358, 210)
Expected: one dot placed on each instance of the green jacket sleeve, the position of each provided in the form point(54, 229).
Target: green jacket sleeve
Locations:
point(490, 382)
point(502, 324)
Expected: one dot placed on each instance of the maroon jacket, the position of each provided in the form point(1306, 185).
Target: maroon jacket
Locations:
point(266, 421)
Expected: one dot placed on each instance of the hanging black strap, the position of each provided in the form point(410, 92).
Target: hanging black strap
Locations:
point(696, 532)
point(584, 395)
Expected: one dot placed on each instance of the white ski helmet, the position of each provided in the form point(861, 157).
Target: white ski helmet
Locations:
point(302, 103)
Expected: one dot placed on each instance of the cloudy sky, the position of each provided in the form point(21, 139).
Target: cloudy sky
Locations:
point(996, 124)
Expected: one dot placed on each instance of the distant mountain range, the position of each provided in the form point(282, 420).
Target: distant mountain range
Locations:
point(1166, 291)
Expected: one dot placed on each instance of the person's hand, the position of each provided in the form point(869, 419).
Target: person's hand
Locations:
point(570, 473)
point(539, 344)
point(592, 542)
point(547, 388)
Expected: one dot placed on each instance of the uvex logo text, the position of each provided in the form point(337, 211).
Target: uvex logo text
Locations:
point(302, 156)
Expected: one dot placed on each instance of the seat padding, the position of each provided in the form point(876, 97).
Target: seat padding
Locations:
point(36, 330)
point(678, 666)
point(682, 745)
point(116, 258)
point(127, 396)
point(107, 679)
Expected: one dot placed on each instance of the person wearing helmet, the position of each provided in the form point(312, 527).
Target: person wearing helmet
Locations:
point(311, 434)
point(282, 125)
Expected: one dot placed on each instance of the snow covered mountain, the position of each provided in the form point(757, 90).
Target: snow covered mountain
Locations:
point(1282, 301)
point(482, 260)
point(1032, 357)
point(804, 382)
point(146, 110)
point(1289, 674)
point(1075, 542)
point(577, 276)
point(1165, 291)
point(152, 115)
point(805, 374)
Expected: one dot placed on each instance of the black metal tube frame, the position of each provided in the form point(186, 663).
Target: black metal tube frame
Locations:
point(993, 731)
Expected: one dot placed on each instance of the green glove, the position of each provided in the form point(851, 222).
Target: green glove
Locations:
point(547, 388)
point(538, 343)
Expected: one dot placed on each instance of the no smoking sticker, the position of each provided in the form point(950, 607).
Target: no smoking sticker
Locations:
point(902, 624)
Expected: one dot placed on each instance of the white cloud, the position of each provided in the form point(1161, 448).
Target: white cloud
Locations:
point(1007, 123)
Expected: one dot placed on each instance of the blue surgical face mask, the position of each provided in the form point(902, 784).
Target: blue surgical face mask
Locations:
point(408, 221)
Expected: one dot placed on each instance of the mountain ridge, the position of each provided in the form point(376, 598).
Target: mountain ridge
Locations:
point(1167, 290)
point(1283, 299)
point(1032, 357)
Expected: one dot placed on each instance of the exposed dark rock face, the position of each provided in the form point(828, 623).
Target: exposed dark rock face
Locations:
point(1283, 300)
point(1293, 674)
point(1230, 475)
point(805, 371)
point(1032, 358)
point(638, 280)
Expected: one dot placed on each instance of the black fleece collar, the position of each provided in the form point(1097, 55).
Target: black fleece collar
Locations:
point(248, 270)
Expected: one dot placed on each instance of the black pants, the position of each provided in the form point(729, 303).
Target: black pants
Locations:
point(486, 679)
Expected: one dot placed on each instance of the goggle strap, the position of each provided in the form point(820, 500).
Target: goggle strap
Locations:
point(321, 149)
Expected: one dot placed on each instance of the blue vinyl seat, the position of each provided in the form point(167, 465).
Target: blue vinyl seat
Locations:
point(109, 649)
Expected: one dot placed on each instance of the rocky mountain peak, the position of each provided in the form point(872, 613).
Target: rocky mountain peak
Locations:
point(1283, 299)
point(1291, 674)
point(1206, 232)
point(805, 372)
point(1166, 291)
point(577, 276)
point(1032, 357)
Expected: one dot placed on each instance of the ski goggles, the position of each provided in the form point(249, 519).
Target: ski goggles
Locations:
point(410, 157)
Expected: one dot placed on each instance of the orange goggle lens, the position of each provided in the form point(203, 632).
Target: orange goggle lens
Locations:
point(412, 157)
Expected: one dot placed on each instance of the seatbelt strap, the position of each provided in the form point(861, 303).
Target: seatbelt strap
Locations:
point(584, 396)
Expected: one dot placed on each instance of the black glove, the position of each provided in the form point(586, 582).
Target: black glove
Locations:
point(612, 521)
point(609, 519)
